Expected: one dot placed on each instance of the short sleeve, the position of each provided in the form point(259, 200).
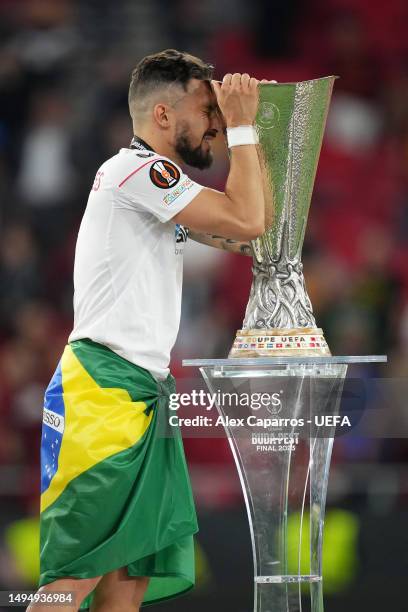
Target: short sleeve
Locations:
point(159, 186)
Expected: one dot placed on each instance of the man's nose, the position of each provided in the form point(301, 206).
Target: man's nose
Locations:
point(216, 122)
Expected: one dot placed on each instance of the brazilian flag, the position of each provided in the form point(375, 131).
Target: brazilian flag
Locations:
point(115, 490)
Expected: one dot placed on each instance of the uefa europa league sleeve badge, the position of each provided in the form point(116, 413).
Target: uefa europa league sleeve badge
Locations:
point(279, 316)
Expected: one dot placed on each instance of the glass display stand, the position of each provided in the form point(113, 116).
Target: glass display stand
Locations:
point(280, 415)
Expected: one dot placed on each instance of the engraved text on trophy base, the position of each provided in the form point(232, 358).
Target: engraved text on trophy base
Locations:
point(279, 342)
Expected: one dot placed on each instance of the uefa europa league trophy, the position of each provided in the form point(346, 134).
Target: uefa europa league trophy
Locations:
point(279, 317)
point(282, 438)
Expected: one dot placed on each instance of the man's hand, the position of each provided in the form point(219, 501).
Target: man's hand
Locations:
point(237, 98)
point(222, 93)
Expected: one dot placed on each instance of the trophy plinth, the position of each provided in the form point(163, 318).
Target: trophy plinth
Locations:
point(283, 460)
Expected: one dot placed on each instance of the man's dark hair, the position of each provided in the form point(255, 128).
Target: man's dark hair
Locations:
point(167, 67)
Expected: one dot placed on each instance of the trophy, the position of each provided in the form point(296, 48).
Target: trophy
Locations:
point(281, 451)
point(279, 317)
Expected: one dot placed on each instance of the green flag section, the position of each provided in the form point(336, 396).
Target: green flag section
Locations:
point(22, 538)
point(114, 492)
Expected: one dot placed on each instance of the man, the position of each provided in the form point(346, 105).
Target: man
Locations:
point(117, 514)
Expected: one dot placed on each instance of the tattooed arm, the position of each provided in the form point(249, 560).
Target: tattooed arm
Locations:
point(227, 244)
point(237, 246)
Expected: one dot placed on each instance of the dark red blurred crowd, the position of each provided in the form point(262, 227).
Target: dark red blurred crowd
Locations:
point(64, 70)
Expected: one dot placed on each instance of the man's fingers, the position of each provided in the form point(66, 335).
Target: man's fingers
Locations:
point(236, 80)
point(238, 98)
point(227, 79)
point(245, 78)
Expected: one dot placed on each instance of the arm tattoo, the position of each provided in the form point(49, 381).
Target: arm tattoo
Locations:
point(227, 244)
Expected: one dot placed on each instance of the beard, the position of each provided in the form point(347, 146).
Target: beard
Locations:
point(196, 157)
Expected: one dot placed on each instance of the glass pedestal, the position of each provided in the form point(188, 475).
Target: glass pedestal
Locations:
point(280, 415)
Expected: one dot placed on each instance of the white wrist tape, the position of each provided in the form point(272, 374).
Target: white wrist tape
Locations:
point(242, 135)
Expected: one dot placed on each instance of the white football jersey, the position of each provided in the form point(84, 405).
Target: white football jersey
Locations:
point(129, 258)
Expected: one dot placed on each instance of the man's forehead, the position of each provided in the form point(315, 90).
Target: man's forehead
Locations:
point(201, 91)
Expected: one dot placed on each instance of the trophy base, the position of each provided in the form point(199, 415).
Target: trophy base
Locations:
point(300, 341)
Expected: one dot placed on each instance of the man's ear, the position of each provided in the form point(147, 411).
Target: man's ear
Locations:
point(161, 114)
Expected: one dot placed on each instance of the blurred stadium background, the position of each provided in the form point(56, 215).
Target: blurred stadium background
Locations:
point(64, 71)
